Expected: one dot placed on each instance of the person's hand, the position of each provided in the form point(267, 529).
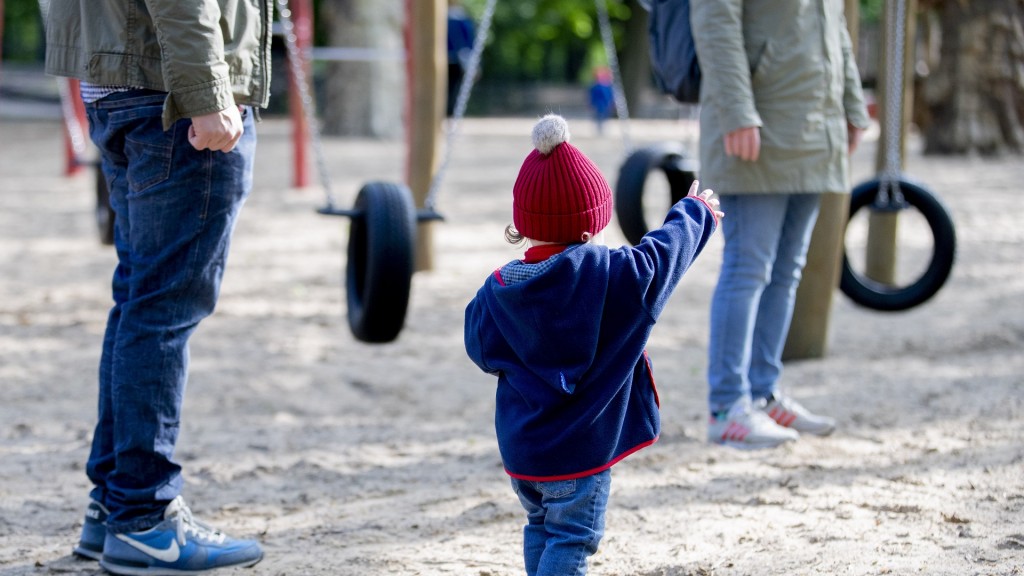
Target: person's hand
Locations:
point(744, 143)
point(219, 131)
point(708, 196)
point(853, 136)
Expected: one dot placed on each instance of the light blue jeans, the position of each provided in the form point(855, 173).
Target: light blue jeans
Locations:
point(766, 241)
point(175, 211)
point(565, 523)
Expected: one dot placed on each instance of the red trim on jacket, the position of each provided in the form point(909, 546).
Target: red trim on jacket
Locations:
point(585, 473)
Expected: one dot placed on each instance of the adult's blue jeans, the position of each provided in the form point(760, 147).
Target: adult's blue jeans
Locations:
point(565, 523)
point(766, 240)
point(175, 211)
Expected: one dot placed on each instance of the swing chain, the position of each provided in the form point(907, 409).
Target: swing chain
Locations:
point(618, 93)
point(297, 62)
point(430, 202)
point(889, 195)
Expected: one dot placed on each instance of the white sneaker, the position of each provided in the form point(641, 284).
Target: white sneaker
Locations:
point(789, 413)
point(748, 429)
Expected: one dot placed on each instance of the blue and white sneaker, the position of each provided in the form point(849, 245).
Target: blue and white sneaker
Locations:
point(94, 530)
point(179, 544)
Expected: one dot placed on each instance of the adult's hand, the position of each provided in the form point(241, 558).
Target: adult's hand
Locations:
point(744, 143)
point(853, 136)
point(219, 131)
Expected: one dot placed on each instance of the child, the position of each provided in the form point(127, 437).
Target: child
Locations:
point(601, 96)
point(564, 330)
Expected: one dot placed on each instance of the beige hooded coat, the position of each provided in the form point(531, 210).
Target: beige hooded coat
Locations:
point(786, 66)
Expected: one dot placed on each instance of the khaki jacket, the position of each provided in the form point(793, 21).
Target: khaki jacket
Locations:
point(788, 67)
point(207, 54)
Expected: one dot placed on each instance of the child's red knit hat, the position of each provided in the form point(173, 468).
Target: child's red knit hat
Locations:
point(559, 194)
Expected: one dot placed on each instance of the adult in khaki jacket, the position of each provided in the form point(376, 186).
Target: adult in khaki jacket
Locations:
point(781, 109)
point(168, 87)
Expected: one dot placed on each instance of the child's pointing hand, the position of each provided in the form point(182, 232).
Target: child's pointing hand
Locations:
point(708, 196)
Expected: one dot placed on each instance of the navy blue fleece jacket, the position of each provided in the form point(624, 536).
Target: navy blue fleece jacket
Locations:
point(566, 335)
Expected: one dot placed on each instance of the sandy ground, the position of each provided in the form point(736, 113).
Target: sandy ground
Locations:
point(345, 458)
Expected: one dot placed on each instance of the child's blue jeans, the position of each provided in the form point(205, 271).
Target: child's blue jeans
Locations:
point(565, 523)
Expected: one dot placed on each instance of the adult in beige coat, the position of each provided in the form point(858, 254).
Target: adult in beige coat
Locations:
point(781, 109)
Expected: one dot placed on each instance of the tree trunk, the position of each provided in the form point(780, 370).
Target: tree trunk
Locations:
point(974, 100)
point(364, 97)
point(636, 59)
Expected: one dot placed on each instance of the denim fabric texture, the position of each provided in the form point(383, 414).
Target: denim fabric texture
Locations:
point(766, 240)
point(565, 523)
point(175, 208)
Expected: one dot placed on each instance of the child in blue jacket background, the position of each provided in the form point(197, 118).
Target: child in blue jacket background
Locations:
point(564, 330)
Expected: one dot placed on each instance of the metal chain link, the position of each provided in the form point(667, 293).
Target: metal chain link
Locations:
point(613, 62)
point(483, 28)
point(889, 191)
point(297, 62)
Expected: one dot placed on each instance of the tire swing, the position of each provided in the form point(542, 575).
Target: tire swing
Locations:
point(883, 296)
point(670, 158)
point(104, 213)
point(382, 234)
point(378, 276)
point(679, 169)
point(893, 191)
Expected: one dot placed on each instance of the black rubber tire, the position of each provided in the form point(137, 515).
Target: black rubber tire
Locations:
point(679, 169)
point(380, 261)
point(104, 213)
point(880, 296)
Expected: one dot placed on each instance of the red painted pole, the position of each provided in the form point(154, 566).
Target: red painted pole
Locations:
point(74, 127)
point(302, 20)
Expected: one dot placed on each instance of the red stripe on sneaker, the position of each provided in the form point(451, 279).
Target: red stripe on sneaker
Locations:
point(735, 432)
point(782, 417)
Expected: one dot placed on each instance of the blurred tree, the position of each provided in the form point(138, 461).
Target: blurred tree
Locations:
point(972, 96)
point(362, 95)
point(635, 57)
point(22, 35)
point(546, 40)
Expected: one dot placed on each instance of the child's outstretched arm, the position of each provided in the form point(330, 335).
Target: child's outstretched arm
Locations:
point(665, 254)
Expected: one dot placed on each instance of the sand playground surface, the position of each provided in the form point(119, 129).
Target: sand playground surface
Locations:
point(345, 458)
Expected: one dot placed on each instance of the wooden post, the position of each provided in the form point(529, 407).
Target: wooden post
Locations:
point(880, 261)
point(808, 335)
point(427, 58)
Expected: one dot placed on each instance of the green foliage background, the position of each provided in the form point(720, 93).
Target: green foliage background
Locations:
point(547, 40)
point(23, 31)
point(530, 40)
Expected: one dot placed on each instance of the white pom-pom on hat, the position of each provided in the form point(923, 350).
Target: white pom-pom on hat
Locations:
point(549, 132)
point(559, 195)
